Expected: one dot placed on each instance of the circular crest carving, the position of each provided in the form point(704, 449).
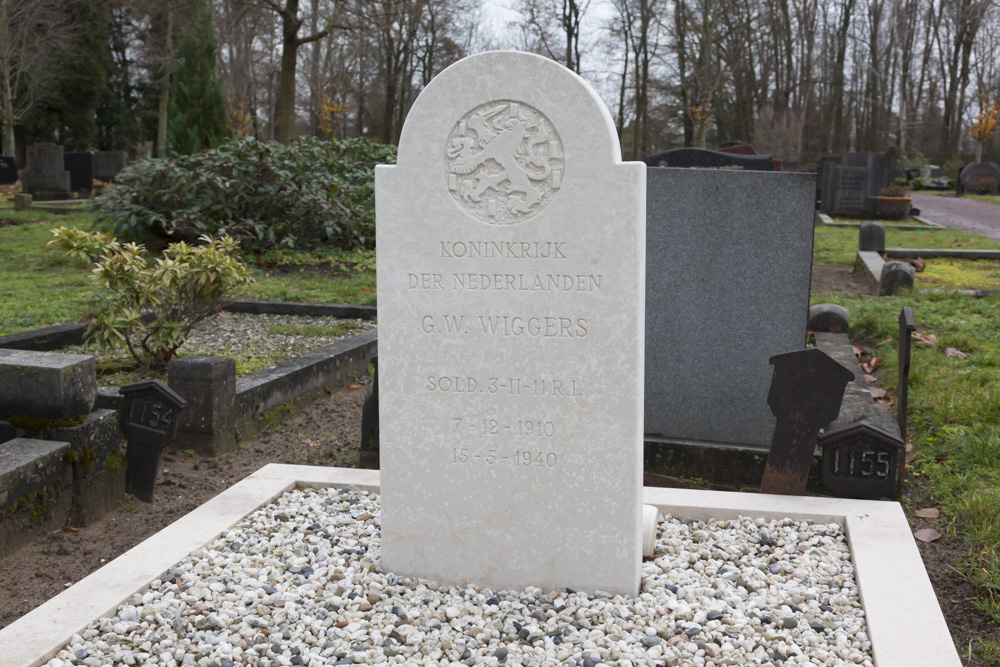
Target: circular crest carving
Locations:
point(504, 162)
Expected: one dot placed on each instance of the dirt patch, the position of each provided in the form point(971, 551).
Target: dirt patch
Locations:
point(327, 432)
point(837, 280)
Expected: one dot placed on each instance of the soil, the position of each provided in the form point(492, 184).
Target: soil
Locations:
point(328, 432)
point(837, 280)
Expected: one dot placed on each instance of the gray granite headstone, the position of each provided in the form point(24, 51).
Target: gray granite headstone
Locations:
point(871, 236)
point(728, 263)
point(107, 164)
point(896, 277)
point(851, 190)
point(46, 176)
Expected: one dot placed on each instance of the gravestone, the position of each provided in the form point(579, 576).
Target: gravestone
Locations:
point(862, 461)
point(880, 169)
point(728, 262)
point(148, 420)
point(973, 174)
point(46, 176)
point(510, 295)
point(851, 190)
point(699, 158)
point(871, 236)
point(80, 166)
point(746, 149)
point(107, 164)
point(8, 170)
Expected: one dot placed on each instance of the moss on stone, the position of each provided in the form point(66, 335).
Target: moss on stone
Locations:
point(40, 423)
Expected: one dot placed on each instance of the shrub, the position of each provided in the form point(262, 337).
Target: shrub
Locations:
point(892, 191)
point(987, 185)
point(264, 194)
point(917, 184)
point(152, 308)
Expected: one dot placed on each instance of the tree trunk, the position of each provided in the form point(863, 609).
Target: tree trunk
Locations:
point(163, 111)
point(284, 130)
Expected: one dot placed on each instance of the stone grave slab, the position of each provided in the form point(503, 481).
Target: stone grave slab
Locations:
point(46, 176)
point(887, 564)
point(728, 262)
point(46, 384)
point(511, 262)
point(700, 158)
point(80, 166)
point(8, 170)
point(107, 164)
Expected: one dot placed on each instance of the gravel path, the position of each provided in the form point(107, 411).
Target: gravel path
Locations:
point(299, 583)
point(969, 215)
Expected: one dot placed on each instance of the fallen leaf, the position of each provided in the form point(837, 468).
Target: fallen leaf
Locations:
point(928, 512)
point(887, 341)
point(858, 351)
point(354, 387)
point(885, 401)
point(918, 264)
point(310, 442)
point(965, 372)
point(927, 340)
point(910, 457)
point(870, 365)
point(909, 446)
point(870, 379)
point(365, 289)
point(876, 392)
point(927, 535)
point(955, 352)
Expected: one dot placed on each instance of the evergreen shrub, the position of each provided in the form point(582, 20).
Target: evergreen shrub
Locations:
point(264, 194)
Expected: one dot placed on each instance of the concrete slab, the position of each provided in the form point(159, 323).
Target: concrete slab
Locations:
point(905, 623)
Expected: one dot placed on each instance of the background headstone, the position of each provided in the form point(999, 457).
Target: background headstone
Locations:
point(973, 174)
point(80, 166)
point(8, 170)
point(46, 176)
point(851, 190)
point(699, 158)
point(46, 384)
point(510, 334)
point(830, 317)
point(896, 277)
point(107, 164)
point(871, 236)
point(728, 262)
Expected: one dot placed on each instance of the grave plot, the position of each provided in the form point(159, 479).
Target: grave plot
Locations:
point(831, 560)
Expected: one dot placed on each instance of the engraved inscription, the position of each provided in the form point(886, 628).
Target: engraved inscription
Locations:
point(153, 415)
point(518, 458)
point(463, 384)
point(516, 326)
point(503, 162)
point(851, 461)
point(506, 282)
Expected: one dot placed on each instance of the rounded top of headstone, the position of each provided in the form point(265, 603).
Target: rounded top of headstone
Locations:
point(498, 131)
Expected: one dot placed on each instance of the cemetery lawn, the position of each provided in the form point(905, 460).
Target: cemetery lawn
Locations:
point(954, 423)
point(991, 199)
point(30, 268)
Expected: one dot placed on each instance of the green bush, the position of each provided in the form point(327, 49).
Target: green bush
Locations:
point(152, 308)
point(264, 194)
point(917, 184)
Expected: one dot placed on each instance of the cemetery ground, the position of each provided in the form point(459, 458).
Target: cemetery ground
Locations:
point(954, 409)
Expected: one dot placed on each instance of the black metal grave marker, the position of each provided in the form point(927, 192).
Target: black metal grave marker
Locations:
point(906, 327)
point(148, 418)
point(806, 392)
point(861, 461)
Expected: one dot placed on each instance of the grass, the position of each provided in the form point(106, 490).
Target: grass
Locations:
point(991, 199)
point(29, 268)
point(839, 245)
point(954, 403)
point(887, 223)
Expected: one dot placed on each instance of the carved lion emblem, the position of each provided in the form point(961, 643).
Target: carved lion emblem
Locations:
point(504, 162)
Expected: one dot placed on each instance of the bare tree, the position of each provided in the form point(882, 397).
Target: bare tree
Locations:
point(34, 37)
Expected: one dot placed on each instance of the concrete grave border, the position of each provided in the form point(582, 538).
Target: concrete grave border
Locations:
point(927, 226)
point(904, 621)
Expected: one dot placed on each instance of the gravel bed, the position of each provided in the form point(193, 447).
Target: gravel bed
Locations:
point(244, 337)
point(298, 583)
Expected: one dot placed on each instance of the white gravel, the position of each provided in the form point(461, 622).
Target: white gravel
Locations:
point(299, 583)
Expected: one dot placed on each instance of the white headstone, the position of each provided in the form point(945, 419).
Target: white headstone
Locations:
point(511, 269)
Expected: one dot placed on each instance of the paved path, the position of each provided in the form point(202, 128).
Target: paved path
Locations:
point(962, 213)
